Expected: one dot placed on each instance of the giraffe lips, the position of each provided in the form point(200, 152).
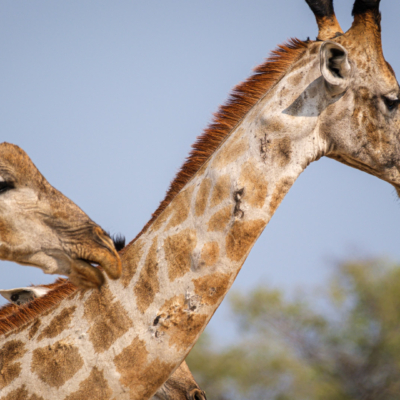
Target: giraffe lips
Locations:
point(92, 261)
point(85, 275)
point(95, 265)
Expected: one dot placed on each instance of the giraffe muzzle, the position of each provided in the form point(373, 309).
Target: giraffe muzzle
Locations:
point(94, 258)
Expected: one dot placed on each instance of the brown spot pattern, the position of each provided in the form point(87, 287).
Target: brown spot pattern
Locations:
point(58, 323)
point(57, 363)
point(9, 369)
point(34, 328)
point(230, 152)
point(210, 253)
point(294, 79)
point(130, 262)
point(212, 287)
point(21, 394)
point(108, 319)
point(183, 325)
point(202, 197)
point(220, 219)
point(273, 125)
point(283, 150)
point(241, 238)
point(256, 187)
point(221, 190)
point(144, 377)
point(181, 207)
point(280, 192)
point(178, 249)
point(94, 387)
point(162, 218)
point(147, 286)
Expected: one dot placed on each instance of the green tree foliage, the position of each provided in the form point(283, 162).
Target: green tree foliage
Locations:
point(341, 345)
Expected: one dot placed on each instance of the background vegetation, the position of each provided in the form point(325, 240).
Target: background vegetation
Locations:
point(342, 344)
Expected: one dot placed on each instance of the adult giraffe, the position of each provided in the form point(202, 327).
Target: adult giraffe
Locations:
point(336, 98)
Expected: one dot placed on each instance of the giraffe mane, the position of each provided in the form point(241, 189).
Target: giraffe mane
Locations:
point(13, 316)
point(243, 97)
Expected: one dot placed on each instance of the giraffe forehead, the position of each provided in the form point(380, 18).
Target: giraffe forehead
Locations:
point(14, 162)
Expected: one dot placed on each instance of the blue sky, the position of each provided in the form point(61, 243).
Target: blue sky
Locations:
point(107, 97)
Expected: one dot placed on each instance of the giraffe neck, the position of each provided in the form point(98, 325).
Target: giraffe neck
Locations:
point(175, 275)
point(181, 268)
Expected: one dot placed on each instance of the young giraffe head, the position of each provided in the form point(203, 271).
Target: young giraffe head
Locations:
point(41, 227)
point(359, 116)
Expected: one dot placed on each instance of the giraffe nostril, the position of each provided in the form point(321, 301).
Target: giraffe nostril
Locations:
point(197, 395)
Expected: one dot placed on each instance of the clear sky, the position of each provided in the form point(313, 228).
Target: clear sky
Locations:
point(107, 97)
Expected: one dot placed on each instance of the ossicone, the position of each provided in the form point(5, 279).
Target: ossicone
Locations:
point(328, 25)
point(366, 13)
point(363, 6)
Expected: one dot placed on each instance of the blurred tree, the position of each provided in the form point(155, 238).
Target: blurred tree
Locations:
point(341, 345)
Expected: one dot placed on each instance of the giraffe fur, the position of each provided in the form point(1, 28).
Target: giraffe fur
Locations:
point(336, 98)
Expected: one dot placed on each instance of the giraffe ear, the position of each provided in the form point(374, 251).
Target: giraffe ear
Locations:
point(335, 67)
point(20, 296)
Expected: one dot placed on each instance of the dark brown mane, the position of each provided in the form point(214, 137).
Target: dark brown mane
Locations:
point(242, 99)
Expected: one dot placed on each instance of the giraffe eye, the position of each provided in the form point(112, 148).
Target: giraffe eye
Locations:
point(5, 186)
point(390, 103)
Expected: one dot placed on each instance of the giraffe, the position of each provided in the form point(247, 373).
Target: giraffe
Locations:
point(335, 97)
point(41, 227)
point(181, 385)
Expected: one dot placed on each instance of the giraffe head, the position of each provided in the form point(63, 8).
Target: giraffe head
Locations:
point(41, 227)
point(361, 118)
